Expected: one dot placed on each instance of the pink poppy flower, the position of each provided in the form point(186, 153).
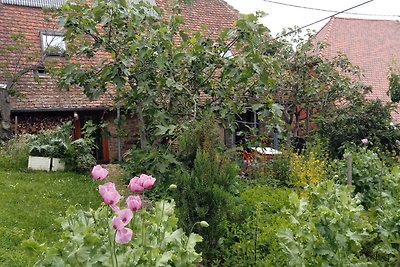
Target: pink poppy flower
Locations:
point(147, 181)
point(123, 236)
point(365, 141)
point(134, 203)
point(109, 194)
point(135, 185)
point(99, 173)
point(117, 223)
point(122, 219)
point(125, 215)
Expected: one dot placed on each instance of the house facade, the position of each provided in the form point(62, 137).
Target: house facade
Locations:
point(39, 104)
point(373, 45)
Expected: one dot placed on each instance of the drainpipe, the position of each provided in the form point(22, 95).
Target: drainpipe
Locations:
point(118, 135)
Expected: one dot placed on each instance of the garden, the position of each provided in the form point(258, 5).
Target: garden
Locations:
point(296, 209)
point(181, 196)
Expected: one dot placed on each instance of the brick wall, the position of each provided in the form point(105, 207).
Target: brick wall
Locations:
point(127, 134)
point(46, 96)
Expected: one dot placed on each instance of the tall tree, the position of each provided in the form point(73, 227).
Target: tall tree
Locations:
point(310, 85)
point(19, 58)
point(15, 63)
point(165, 74)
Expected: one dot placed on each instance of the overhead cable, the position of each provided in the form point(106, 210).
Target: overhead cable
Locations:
point(315, 22)
point(329, 10)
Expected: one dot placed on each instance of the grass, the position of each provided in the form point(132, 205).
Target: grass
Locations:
point(30, 202)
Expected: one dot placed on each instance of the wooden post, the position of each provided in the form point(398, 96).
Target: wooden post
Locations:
point(349, 170)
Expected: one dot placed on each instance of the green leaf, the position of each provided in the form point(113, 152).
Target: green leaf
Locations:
point(193, 240)
point(165, 258)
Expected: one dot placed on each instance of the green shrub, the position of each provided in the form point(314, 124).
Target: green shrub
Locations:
point(275, 172)
point(386, 221)
point(202, 135)
point(157, 162)
point(14, 154)
point(353, 122)
point(252, 241)
point(292, 170)
point(79, 153)
point(207, 193)
point(165, 160)
point(329, 228)
point(51, 143)
point(367, 174)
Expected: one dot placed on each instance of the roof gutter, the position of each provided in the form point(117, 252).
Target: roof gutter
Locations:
point(57, 110)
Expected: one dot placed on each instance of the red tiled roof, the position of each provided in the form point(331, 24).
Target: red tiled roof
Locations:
point(216, 14)
point(370, 44)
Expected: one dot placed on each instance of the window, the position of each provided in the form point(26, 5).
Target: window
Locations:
point(247, 125)
point(227, 54)
point(52, 43)
point(39, 72)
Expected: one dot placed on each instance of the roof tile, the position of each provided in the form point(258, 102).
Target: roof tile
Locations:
point(373, 45)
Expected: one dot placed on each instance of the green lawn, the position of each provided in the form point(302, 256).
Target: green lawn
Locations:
point(30, 202)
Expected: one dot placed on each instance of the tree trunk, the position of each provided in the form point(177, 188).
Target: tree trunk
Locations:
point(142, 126)
point(132, 81)
point(5, 114)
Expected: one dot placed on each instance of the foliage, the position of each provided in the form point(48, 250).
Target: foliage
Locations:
point(164, 161)
point(290, 169)
point(329, 228)
point(387, 221)
point(31, 201)
point(310, 86)
point(79, 154)
point(394, 84)
point(158, 162)
point(87, 240)
point(355, 121)
point(51, 143)
point(306, 169)
point(274, 172)
point(202, 135)
point(252, 240)
point(163, 82)
point(368, 171)
point(207, 193)
point(57, 143)
point(14, 154)
point(104, 237)
point(18, 58)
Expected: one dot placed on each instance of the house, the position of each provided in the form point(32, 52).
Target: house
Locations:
point(40, 104)
point(373, 45)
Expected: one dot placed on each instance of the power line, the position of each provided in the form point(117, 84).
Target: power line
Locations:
point(315, 22)
point(328, 10)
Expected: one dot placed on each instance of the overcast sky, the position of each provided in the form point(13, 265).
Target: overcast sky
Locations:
point(281, 16)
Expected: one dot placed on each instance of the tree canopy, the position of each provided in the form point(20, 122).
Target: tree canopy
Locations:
point(167, 75)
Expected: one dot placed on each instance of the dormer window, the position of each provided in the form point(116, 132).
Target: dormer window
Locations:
point(53, 43)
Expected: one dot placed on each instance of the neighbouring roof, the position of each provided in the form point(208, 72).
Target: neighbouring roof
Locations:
point(35, 3)
point(373, 45)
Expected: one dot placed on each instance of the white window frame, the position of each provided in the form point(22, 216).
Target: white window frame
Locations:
point(51, 40)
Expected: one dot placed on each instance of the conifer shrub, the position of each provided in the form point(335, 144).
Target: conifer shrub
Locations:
point(207, 192)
